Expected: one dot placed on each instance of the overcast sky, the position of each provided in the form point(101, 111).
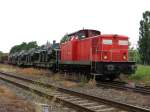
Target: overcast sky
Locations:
point(42, 20)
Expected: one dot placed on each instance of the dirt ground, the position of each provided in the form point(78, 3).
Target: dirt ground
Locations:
point(9, 102)
point(37, 73)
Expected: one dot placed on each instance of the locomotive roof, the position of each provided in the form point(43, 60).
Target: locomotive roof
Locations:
point(82, 31)
point(114, 35)
point(81, 34)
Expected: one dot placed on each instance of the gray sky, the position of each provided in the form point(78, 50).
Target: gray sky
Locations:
point(42, 20)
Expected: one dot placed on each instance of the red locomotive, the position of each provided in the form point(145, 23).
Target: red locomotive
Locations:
point(89, 51)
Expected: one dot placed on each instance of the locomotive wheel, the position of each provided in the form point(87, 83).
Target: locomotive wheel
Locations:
point(102, 78)
point(107, 77)
point(54, 70)
point(112, 77)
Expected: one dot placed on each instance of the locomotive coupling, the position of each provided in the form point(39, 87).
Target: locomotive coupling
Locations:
point(110, 67)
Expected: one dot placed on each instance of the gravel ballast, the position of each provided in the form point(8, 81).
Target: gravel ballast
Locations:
point(37, 101)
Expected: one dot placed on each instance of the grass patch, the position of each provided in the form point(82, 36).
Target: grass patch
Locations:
point(83, 81)
point(25, 71)
point(142, 75)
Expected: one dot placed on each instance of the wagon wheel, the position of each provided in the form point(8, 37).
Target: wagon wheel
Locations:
point(54, 69)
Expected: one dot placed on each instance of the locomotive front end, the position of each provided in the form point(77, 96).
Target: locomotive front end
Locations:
point(112, 56)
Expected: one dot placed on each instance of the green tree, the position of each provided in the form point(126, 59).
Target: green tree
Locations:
point(144, 38)
point(134, 55)
point(23, 46)
point(1, 53)
point(65, 38)
point(3, 56)
point(32, 44)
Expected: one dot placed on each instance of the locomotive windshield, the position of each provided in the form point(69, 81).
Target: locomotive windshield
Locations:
point(123, 42)
point(107, 42)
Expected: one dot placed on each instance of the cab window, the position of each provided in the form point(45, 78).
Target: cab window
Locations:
point(123, 42)
point(107, 42)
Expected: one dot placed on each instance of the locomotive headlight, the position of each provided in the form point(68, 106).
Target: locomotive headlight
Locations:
point(124, 56)
point(105, 57)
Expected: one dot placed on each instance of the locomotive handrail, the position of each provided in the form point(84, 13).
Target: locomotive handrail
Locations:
point(112, 49)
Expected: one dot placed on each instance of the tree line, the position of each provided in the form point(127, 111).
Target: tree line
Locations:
point(23, 46)
point(3, 56)
point(144, 38)
point(18, 48)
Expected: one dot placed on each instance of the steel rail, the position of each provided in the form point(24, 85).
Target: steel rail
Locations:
point(125, 86)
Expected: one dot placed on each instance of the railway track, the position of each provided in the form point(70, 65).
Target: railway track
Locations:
point(126, 86)
point(145, 90)
point(78, 101)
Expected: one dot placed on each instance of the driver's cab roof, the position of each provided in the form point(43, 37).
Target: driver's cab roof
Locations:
point(86, 33)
